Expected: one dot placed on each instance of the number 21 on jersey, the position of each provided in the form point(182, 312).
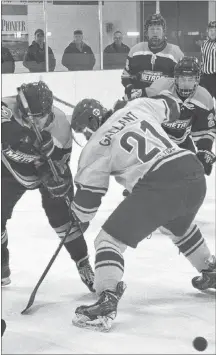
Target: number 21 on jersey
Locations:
point(133, 140)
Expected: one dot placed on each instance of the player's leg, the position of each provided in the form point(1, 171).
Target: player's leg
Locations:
point(150, 204)
point(186, 235)
point(57, 212)
point(156, 199)
point(11, 192)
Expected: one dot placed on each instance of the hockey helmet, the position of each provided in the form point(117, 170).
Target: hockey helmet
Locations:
point(187, 67)
point(155, 20)
point(212, 24)
point(39, 98)
point(88, 116)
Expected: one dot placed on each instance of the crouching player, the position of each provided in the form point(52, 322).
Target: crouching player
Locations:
point(167, 187)
point(24, 167)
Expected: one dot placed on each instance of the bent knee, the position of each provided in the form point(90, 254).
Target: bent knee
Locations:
point(104, 240)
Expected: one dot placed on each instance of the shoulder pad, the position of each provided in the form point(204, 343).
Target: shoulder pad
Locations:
point(203, 99)
point(174, 51)
point(139, 48)
point(8, 108)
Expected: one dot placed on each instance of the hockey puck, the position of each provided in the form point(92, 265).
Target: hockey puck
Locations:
point(200, 343)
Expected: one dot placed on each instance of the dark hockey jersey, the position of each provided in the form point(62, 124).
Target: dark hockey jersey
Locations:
point(150, 66)
point(17, 154)
point(197, 115)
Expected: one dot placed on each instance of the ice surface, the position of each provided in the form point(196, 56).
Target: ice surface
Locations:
point(159, 313)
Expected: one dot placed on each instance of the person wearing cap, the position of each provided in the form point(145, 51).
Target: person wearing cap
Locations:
point(208, 52)
point(35, 56)
point(78, 55)
point(150, 60)
point(116, 53)
point(7, 61)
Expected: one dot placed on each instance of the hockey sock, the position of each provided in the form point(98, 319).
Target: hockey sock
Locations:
point(75, 243)
point(4, 244)
point(109, 262)
point(194, 247)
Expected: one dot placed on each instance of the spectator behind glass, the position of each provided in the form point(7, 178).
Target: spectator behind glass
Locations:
point(34, 58)
point(116, 53)
point(7, 61)
point(78, 55)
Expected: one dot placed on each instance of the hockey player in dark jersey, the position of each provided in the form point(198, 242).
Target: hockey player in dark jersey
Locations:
point(24, 166)
point(196, 128)
point(151, 60)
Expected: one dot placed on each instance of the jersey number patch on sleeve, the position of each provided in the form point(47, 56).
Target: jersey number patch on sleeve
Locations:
point(140, 142)
point(6, 113)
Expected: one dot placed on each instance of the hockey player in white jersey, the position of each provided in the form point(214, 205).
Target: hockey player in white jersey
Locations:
point(166, 184)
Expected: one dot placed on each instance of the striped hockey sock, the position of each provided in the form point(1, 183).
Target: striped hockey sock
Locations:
point(109, 267)
point(194, 247)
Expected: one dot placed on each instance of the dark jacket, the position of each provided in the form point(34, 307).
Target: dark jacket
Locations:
point(34, 58)
point(7, 61)
point(115, 56)
point(74, 59)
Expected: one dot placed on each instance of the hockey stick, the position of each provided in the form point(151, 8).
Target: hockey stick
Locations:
point(38, 135)
point(33, 294)
point(63, 102)
point(66, 198)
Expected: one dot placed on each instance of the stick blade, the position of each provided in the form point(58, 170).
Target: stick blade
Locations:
point(30, 303)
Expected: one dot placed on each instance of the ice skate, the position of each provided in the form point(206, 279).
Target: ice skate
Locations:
point(100, 315)
point(86, 273)
point(208, 277)
point(5, 274)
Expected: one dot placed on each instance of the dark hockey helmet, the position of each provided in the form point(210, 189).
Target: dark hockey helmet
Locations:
point(88, 116)
point(39, 98)
point(187, 67)
point(155, 20)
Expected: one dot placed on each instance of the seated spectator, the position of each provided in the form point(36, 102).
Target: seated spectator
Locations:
point(34, 58)
point(78, 55)
point(7, 61)
point(116, 53)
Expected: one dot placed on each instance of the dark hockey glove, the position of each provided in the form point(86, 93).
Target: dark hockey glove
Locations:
point(131, 93)
point(47, 146)
point(58, 188)
point(207, 159)
point(125, 193)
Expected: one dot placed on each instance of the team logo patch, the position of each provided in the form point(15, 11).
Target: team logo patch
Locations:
point(6, 113)
point(96, 112)
point(150, 76)
point(211, 120)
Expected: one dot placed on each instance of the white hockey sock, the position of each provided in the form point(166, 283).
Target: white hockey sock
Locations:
point(109, 262)
point(194, 247)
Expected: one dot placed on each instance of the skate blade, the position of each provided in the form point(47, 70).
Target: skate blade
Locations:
point(101, 324)
point(5, 281)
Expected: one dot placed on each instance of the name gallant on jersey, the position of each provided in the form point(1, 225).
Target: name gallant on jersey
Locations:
point(129, 117)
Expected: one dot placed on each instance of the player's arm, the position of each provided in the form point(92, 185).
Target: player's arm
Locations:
point(203, 134)
point(17, 141)
point(92, 184)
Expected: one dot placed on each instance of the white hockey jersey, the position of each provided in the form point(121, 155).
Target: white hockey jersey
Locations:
point(128, 145)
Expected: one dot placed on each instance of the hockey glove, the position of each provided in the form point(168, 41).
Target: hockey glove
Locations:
point(125, 193)
point(131, 93)
point(207, 159)
point(58, 188)
point(45, 148)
